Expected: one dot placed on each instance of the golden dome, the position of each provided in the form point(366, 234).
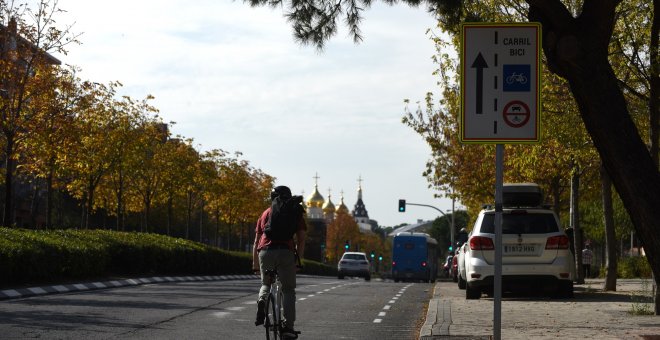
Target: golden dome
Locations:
point(342, 207)
point(315, 200)
point(329, 207)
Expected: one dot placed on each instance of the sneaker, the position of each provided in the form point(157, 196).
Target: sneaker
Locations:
point(261, 313)
point(289, 333)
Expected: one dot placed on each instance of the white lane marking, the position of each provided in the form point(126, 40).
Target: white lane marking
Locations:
point(302, 299)
point(378, 320)
point(382, 314)
point(235, 308)
point(220, 314)
point(310, 295)
point(395, 298)
point(387, 307)
point(398, 295)
point(250, 302)
point(392, 301)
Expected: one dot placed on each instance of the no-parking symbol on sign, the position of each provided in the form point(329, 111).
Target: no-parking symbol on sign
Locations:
point(500, 81)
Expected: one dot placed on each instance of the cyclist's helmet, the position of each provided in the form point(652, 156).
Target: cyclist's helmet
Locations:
point(280, 191)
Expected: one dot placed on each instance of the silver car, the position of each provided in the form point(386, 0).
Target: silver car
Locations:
point(535, 250)
point(354, 264)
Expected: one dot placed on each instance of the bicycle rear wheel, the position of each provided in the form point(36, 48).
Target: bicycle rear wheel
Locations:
point(271, 323)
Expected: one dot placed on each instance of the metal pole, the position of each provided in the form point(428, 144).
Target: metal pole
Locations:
point(453, 225)
point(497, 283)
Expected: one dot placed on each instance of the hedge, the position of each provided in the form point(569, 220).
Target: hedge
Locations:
point(37, 256)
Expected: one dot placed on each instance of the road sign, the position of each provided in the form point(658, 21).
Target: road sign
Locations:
point(500, 81)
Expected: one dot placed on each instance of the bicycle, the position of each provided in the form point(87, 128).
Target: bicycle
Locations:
point(273, 307)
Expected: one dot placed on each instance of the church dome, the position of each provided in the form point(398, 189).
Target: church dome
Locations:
point(315, 200)
point(329, 207)
point(342, 207)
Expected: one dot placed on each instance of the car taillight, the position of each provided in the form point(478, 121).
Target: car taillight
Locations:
point(481, 243)
point(423, 263)
point(557, 242)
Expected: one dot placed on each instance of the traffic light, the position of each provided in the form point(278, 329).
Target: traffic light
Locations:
point(373, 254)
point(402, 205)
point(347, 245)
point(380, 257)
point(451, 248)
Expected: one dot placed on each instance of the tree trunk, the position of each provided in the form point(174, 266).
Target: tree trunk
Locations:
point(654, 82)
point(610, 235)
point(188, 215)
point(555, 187)
point(169, 215)
point(7, 220)
point(49, 197)
point(577, 50)
point(147, 210)
point(575, 223)
point(120, 201)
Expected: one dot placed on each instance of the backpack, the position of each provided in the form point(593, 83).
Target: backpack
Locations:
point(284, 219)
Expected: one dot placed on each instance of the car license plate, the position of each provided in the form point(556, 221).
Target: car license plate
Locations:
point(519, 249)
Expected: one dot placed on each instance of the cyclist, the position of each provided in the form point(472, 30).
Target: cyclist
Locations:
point(281, 256)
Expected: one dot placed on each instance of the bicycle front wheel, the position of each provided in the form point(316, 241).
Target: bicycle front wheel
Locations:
point(271, 323)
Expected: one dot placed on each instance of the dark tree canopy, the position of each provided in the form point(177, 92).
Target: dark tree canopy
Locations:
point(315, 21)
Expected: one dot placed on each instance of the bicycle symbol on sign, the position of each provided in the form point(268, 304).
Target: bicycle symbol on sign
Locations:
point(516, 78)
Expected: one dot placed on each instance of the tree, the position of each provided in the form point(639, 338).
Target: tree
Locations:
point(576, 46)
point(90, 158)
point(24, 63)
point(343, 228)
point(45, 145)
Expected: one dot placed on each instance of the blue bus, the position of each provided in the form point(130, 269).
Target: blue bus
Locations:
point(414, 257)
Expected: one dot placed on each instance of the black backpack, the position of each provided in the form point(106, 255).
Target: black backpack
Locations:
point(284, 219)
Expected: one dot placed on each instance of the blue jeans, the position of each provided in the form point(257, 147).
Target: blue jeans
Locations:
point(284, 261)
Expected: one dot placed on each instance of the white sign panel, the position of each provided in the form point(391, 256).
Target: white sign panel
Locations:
point(500, 81)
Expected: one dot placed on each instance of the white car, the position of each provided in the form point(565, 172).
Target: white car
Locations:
point(354, 264)
point(535, 250)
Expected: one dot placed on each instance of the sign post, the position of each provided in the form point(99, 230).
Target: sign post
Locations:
point(500, 104)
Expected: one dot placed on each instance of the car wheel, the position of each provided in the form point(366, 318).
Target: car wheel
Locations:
point(340, 276)
point(471, 292)
point(367, 278)
point(461, 282)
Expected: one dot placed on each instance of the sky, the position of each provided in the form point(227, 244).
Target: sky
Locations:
point(232, 77)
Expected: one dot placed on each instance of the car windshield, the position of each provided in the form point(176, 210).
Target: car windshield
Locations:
point(521, 223)
point(354, 257)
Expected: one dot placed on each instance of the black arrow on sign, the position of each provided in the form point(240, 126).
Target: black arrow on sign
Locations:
point(480, 65)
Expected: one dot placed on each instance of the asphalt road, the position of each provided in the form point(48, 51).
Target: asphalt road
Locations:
point(327, 308)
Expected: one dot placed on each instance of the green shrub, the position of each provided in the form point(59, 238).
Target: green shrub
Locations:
point(633, 267)
point(29, 256)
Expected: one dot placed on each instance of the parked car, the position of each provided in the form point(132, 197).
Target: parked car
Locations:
point(535, 250)
point(454, 268)
point(354, 264)
point(446, 267)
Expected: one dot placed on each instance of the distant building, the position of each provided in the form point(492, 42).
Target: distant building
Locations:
point(320, 213)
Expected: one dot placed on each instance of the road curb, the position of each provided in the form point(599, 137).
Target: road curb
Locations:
point(438, 317)
point(8, 294)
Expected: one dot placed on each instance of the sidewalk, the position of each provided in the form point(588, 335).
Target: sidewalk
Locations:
point(591, 314)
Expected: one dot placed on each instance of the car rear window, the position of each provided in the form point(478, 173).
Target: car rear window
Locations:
point(521, 223)
point(354, 257)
